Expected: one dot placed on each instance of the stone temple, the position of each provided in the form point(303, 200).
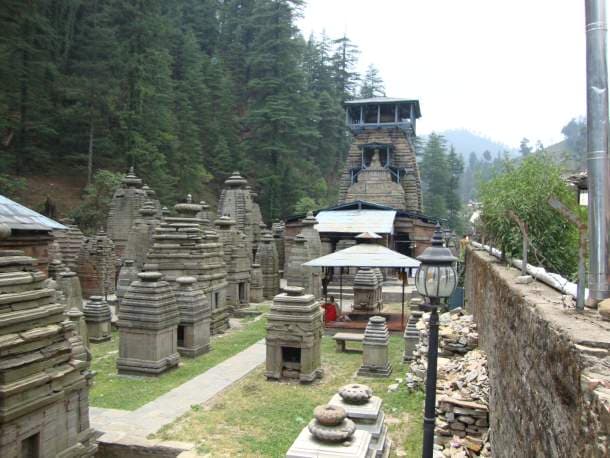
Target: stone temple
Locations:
point(182, 247)
point(97, 266)
point(235, 249)
point(267, 258)
point(382, 166)
point(140, 236)
point(44, 380)
point(237, 202)
point(126, 201)
point(148, 327)
point(294, 335)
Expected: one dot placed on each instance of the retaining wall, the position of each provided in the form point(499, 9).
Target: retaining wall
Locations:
point(549, 367)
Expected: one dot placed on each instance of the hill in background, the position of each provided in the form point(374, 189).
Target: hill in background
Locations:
point(465, 141)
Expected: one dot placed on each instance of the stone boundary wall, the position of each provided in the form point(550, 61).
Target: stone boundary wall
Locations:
point(549, 367)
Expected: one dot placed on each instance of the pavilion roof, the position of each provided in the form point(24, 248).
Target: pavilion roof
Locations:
point(16, 216)
point(364, 255)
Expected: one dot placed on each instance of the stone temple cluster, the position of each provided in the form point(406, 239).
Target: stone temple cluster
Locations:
point(169, 279)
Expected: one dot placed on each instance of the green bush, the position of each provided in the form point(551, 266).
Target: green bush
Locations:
point(525, 188)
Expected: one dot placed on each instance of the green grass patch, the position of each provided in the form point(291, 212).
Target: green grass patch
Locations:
point(256, 417)
point(114, 391)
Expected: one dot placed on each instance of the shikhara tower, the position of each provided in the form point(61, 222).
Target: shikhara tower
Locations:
point(381, 164)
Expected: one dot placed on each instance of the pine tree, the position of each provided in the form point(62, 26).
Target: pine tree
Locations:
point(436, 175)
point(372, 84)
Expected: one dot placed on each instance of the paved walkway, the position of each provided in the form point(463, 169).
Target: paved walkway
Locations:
point(166, 408)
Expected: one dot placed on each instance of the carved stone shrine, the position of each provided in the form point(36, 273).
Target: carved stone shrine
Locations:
point(266, 256)
point(140, 236)
point(294, 334)
point(194, 325)
point(98, 317)
point(237, 261)
point(148, 327)
point(256, 284)
point(97, 266)
point(126, 201)
point(70, 243)
point(44, 380)
point(375, 358)
point(367, 290)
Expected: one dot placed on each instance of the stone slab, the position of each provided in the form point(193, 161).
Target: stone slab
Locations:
point(305, 446)
point(368, 411)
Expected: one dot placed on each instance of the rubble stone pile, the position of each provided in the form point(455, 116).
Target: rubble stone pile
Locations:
point(462, 425)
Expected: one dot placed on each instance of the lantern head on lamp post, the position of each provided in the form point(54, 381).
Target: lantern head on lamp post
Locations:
point(436, 279)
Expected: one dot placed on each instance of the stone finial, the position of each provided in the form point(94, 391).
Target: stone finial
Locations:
point(355, 393)
point(236, 180)
point(309, 220)
point(294, 290)
point(98, 316)
point(330, 424)
point(150, 276)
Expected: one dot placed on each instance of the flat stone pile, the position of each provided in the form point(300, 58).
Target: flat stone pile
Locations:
point(462, 424)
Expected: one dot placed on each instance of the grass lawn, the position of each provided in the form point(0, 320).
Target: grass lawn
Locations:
point(115, 391)
point(257, 418)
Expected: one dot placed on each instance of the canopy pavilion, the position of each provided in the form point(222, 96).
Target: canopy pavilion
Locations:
point(366, 254)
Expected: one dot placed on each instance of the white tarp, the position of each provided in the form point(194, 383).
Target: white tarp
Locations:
point(356, 221)
point(364, 255)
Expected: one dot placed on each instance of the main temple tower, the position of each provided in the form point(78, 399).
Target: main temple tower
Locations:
point(381, 165)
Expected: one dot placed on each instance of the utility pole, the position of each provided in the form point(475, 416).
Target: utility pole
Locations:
point(597, 147)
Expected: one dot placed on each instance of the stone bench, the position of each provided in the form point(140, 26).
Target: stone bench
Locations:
point(342, 337)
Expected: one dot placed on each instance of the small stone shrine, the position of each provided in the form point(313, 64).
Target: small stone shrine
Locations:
point(236, 202)
point(256, 284)
point(126, 201)
point(80, 326)
point(98, 317)
point(294, 334)
point(205, 213)
point(258, 225)
point(151, 196)
point(216, 286)
point(375, 360)
point(411, 335)
point(55, 268)
point(237, 262)
point(69, 284)
point(367, 290)
point(277, 230)
point(70, 243)
point(365, 411)
point(97, 266)
point(194, 325)
point(331, 434)
point(141, 234)
point(299, 275)
point(127, 275)
point(266, 256)
point(148, 327)
point(44, 406)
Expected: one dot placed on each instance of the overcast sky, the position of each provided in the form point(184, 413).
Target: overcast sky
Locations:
point(506, 69)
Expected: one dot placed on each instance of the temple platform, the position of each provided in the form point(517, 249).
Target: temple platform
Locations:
point(359, 320)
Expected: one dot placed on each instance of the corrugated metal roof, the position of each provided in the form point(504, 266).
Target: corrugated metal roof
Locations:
point(356, 221)
point(364, 255)
point(16, 216)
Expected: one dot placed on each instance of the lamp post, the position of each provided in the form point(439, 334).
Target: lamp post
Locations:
point(436, 279)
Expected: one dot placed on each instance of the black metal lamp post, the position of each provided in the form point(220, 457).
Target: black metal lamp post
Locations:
point(436, 279)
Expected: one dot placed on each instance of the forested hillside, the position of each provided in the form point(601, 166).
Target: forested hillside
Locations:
point(185, 90)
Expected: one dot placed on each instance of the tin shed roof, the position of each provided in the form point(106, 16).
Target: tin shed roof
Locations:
point(356, 221)
point(16, 216)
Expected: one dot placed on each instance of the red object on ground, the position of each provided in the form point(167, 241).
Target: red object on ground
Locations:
point(330, 312)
